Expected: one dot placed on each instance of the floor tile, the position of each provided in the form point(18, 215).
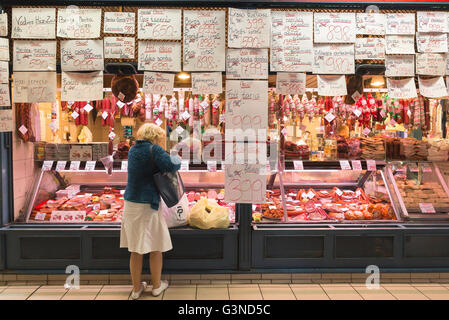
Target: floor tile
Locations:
point(341, 292)
point(48, 293)
point(405, 292)
point(309, 292)
point(114, 293)
point(245, 293)
point(434, 293)
point(212, 293)
point(373, 294)
point(17, 292)
point(83, 293)
point(277, 292)
point(180, 293)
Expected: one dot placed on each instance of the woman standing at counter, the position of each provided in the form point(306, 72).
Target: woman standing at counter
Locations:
point(144, 229)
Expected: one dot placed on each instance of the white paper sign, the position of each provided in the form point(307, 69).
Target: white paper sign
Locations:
point(158, 83)
point(427, 208)
point(79, 23)
point(212, 166)
point(344, 165)
point(331, 85)
point(124, 166)
point(207, 83)
point(60, 165)
point(291, 41)
point(160, 24)
point(33, 55)
point(399, 44)
point(6, 124)
point(334, 27)
point(400, 23)
point(46, 166)
point(159, 56)
point(432, 88)
point(4, 95)
point(34, 86)
point(291, 83)
point(431, 42)
point(432, 21)
point(33, 23)
point(371, 23)
point(82, 55)
point(119, 22)
point(371, 164)
point(204, 40)
point(184, 165)
point(82, 86)
point(119, 47)
point(3, 25)
point(298, 165)
point(4, 49)
point(243, 104)
point(247, 64)
point(4, 72)
point(244, 184)
point(370, 48)
point(74, 165)
point(356, 165)
point(333, 59)
point(90, 165)
point(400, 66)
point(431, 64)
point(401, 89)
point(249, 28)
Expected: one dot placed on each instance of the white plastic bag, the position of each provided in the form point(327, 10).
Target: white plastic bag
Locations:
point(177, 215)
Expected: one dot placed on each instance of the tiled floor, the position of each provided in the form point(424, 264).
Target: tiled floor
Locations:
point(340, 291)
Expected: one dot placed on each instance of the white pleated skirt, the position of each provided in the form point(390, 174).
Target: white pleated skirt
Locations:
point(144, 229)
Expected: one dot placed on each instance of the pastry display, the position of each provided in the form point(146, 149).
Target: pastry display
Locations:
point(427, 192)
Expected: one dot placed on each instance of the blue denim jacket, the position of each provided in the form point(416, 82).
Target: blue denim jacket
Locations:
point(140, 187)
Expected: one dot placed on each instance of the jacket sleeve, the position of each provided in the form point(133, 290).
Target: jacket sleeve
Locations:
point(164, 161)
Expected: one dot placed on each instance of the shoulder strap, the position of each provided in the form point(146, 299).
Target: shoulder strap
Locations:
point(153, 165)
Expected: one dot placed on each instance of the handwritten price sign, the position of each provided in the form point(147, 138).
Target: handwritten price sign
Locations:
point(34, 86)
point(329, 85)
point(370, 48)
point(400, 23)
point(432, 88)
point(401, 89)
point(3, 25)
point(400, 65)
point(371, 23)
point(82, 86)
point(399, 44)
point(432, 21)
point(119, 22)
point(249, 28)
point(431, 64)
point(244, 184)
point(34, 55)
point(4, 49)
point(119, 47)
point(291, 83)
point(82, 55)
point(158, 83)
point(247, 64)
point(33, 23)
point(207, 83)
point(431, 42)
point(159, 56)
point(334, 27)
point(204, 40)
point(333, 59)
point(79, 23)
point(4, 95)
point(160, 24)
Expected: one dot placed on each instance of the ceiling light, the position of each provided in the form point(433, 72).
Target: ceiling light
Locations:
point(183, 76)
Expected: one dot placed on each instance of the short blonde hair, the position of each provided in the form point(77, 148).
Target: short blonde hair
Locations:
point(151, 132)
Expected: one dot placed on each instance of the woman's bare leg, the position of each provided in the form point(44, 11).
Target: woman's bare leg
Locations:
point(156, 268)
point(135, 267)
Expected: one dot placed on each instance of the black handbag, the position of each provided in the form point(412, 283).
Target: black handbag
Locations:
point(168, 184)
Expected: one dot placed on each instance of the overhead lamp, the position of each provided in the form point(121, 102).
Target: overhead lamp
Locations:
point(183, 76)
point(377, 81)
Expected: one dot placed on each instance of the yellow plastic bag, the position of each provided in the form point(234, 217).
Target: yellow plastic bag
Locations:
point(207, 214)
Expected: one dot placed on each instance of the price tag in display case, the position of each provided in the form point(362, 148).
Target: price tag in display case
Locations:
point(90, 165)
point(426, 168)
point(212, 166)
point(338, 192)
point(60, 165)
point(124, 166)
point(46, 166)
point(356, 165)
point(298, 165)
point(344, 164)
point(40, 216)
point(74, 165)
point(427, 208)
point(244, 184)
point(371, 165)
point(184, 165)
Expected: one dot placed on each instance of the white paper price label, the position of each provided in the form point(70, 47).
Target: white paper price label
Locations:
point(356, 165)
point(111, 135)
point(90, 165)
point(88, 108)
point(60, 165)
point(310, 195)
point(179, 130)
point(344, 164)
point(103, 212)
point(357, 112)
point(371, 164)
point(427, 208)
point(272, 207)
point(329, 117)
point(392, 122)
point(23, 129)
point(356, 96)
point(46, 166)
point(212, 166)
point(284, 132)
point(124, 166)
point(104, 115)
point(74, 165)
point(338, 192)
point(122, 192)
point(382, 113)
point(75, 114)
point(120, 104)
point(366, 131)
point(40, 216)
point(184, 165)
point(185, 115)
point(426, 168)
point(298, 165)
point(158, 122)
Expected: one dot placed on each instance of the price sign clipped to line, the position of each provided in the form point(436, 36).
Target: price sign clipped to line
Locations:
point(245, 184)
point(427, 208)
point(298, 165)
point(90, 165)
point(356, 165)
point(212, 166)
point(371, 165)
point(184, 165)
point(124, 166)
point(344, 164)
point(60, 165)
point(46, 166)
point(74, 165)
